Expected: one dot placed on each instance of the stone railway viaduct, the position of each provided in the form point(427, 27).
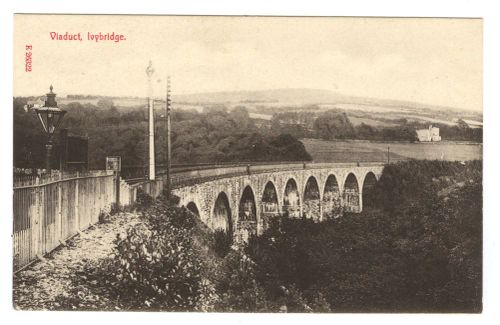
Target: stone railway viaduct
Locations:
point(243, 199)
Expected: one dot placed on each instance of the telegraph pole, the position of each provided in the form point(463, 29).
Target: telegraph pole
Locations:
point(149, 73)
point(388, 159)
point(168, 102)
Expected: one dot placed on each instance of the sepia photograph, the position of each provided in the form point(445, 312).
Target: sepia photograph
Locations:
point(247, 164)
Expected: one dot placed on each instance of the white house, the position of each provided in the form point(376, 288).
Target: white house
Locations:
point(428, 135)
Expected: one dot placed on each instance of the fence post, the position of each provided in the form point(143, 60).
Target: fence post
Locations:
point(35, 222)
point(91, 192)
point(117, 188)
point(98, 185)
point(102, 192)
point(59, 209)
point(77, 203)
point(41, 196)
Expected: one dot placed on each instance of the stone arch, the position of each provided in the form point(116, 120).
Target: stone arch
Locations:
point(247, 214)
point(191, 206)
point(247, 207)
point(291, 198)
point(369, 182)
point(312, 199)
point(351, 193)
point(221, 216)
point(269, 204)
point(332, 198)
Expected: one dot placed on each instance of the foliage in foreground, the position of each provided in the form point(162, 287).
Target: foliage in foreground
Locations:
point(172, 262)
point(158, 265)
point(423, 256)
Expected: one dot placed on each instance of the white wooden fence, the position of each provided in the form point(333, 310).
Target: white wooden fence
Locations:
point(50, 209)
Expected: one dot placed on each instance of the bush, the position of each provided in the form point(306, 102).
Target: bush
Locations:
point(222, 242)
point(143, 200)
point(159, 269)
point(417, 182)
point(158, 265)
point(161, 214)
point(238, 287)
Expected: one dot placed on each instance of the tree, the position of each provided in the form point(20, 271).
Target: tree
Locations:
point(332, 125)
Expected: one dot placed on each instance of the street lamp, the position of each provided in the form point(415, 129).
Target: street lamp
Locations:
point(51, 117)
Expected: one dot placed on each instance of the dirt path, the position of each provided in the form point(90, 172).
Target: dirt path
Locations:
point(37, 286)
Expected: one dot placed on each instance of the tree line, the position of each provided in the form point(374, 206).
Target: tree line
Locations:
point(212, 136)
point(335, 124)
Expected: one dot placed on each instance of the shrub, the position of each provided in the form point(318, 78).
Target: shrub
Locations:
point(158, 265)
point(173, 200)
point(222, 242)
point(143, 200)
point(417, 182)
point(238, 287)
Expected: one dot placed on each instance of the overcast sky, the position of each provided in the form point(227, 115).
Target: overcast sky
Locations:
point(435, 61)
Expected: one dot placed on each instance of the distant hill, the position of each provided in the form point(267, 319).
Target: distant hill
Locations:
point(300, 96)
point(297, 96)
point(302, 99)
point(358, 107)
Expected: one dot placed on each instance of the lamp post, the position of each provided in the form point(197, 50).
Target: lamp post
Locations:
point(51, 117)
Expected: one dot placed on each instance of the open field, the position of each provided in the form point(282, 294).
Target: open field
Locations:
point(351, 150)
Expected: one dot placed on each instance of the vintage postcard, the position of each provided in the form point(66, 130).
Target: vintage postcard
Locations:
point(247, 164)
